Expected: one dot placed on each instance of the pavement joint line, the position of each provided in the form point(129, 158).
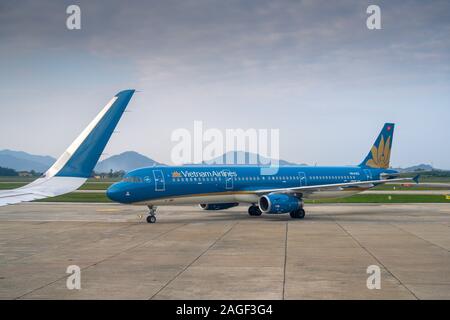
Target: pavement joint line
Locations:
point(193, 261)
point(376, 259)
point(101, 261)
point(415, 235)
point(285, 259)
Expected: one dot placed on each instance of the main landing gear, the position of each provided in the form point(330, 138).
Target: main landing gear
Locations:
point(254, 210)
point(151, 218)
point(297, 214)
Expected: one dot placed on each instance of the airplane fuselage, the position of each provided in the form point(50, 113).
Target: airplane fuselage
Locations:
point(164, 185)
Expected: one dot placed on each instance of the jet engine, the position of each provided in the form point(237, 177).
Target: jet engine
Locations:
point(218, 206)
point(279, 203)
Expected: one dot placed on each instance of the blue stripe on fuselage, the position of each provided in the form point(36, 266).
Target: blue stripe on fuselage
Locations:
point(152, 183)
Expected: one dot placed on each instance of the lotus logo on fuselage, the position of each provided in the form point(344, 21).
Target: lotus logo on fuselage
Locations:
point(176, 174)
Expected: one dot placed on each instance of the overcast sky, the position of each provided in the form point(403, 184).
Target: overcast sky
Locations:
point(310, 68)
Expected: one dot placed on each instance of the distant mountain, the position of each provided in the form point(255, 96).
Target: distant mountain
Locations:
point(125, 161)
point(22, 161)
point(419, 167)
point(245, 158)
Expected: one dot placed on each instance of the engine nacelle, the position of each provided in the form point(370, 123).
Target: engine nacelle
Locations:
point(218, 206)
point(279, 203)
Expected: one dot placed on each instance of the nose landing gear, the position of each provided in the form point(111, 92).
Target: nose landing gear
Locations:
point(151, 218)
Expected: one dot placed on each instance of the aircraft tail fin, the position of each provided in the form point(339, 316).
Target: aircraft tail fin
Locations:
point(380, 153)
point(82, 155)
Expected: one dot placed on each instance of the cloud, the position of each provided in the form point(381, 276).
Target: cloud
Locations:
point(267, 61)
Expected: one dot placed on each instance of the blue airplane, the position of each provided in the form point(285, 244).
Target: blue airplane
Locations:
point(223, 187)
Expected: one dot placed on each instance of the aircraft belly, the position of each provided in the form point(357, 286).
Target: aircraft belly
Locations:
point(243, 197)
point(193, 199)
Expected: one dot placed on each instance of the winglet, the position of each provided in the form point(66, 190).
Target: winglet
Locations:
point(82, 155)
point(75, 165)
point(416, 178)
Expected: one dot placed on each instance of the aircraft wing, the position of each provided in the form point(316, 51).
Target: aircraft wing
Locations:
point(334, 186)
point(75, 165)
point(41, 188)
point(11, 197)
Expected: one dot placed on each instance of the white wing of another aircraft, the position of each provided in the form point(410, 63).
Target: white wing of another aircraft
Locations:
point(75, 165)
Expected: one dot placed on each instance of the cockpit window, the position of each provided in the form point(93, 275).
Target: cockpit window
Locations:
point(132, 179)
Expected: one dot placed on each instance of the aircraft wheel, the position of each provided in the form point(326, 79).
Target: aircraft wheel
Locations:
point(151, 219)
point(298, 214)
point(254, 211)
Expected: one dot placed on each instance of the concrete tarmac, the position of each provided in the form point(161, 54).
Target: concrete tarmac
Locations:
point(194, 254)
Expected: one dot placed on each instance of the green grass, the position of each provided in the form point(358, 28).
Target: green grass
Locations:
point(385, 198)
point(109, 180)
point(11, 185)
point(86, 186)
point(95, 186)
point(17, 179)
point(29, 179)
point(399, 187)
point(434, 179)
point(430, 176)
point(78, 197)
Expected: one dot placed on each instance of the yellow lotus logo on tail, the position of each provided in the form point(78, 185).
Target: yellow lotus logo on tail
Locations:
point(380, 155)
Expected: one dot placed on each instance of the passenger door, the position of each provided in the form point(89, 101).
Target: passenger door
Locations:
point(368, 174)
point(160, 184)
point(229, 181)
point(302, 177)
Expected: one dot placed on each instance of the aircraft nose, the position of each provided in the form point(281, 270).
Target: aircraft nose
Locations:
point(115, 193)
